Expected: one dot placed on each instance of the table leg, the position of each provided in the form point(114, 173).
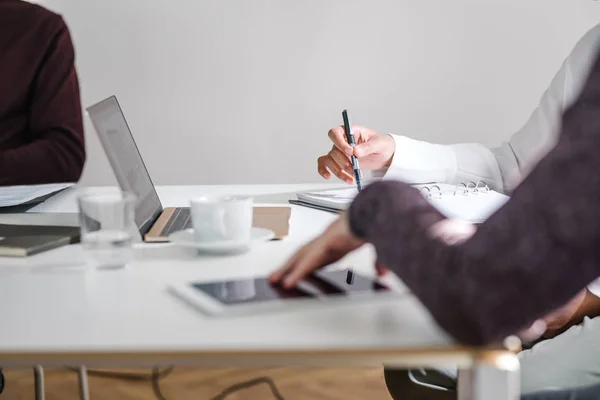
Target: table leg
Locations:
point(465, 384)
point(84, 392)
point(38, 381)
point(491, 378)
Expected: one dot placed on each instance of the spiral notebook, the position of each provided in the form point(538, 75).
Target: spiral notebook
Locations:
point(470, 201)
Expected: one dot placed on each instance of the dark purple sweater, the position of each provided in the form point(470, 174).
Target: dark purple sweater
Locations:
point(41, 125)
point(529, 258)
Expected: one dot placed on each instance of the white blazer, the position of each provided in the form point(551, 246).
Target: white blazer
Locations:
point(503, 167)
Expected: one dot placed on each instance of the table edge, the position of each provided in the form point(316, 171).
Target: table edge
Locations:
point(398, 357)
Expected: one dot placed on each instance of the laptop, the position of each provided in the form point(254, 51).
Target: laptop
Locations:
point(154, 222)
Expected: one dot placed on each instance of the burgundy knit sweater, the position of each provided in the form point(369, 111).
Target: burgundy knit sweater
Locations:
point(529, 258)
point(41, 126)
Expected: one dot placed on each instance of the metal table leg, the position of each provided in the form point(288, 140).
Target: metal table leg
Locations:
point(465, 384)
point(84, 393)
point(494, 377)
point(38, 380)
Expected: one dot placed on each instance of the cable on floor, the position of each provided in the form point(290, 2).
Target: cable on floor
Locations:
point(158, 374)
point(246, 385)
point(229, 390)
point(155, 384)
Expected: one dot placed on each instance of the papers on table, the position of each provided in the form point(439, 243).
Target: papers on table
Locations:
point(474, 208)
point(19, 195)
point(338, 199)
point(474, 205)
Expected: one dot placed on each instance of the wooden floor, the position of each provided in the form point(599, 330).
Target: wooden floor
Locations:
point(294, 383)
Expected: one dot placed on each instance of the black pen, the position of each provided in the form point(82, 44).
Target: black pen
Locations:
point(356, 168)
point(350, 138)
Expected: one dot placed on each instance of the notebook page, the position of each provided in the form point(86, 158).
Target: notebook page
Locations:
point(474, 207)
point(16, 195)
point(338, 198)
point(341, 198)
point(335, 195)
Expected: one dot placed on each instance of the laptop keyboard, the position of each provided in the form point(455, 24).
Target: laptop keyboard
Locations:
point(179, 220)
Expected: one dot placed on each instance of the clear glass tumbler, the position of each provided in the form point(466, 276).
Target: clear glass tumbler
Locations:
point(107, 223)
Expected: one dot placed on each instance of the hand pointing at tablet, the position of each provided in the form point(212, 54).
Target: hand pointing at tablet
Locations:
point(337, 241)
point(331, 246)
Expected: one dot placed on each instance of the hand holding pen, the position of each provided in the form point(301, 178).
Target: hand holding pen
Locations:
point(373, 150)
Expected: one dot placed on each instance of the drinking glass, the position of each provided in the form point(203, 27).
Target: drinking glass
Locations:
point(106, 221)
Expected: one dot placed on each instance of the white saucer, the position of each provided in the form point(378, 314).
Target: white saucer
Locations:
point(185, 238)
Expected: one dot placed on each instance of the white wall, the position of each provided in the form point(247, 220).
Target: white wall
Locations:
point(244, 91)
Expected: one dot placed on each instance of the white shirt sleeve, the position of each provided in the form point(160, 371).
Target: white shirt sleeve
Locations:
point(415, 161)
point(503, 167)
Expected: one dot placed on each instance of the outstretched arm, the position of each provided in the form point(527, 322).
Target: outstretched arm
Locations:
point(529, 258)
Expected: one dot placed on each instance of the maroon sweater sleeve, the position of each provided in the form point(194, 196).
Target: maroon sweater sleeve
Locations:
point(55, 149)
point(529, 258)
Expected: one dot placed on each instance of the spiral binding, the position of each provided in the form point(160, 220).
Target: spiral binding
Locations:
point(469, 188)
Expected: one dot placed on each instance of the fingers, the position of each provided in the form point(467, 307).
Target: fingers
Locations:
point(365, 149)
point(338, 137)
point(311, 260)
point(278, 275)
point(374, 145)
point(327, 163)
point(322, 168)
point(361, 135)
point(342, 160)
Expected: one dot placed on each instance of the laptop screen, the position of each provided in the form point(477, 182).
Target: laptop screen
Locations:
point(125, 159)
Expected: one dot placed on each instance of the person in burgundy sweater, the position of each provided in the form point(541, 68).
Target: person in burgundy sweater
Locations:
point(530, 258)
point(41, 123)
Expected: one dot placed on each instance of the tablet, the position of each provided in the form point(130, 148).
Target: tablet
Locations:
point(257, 295)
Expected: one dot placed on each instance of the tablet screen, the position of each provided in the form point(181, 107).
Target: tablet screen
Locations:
point(256, 290)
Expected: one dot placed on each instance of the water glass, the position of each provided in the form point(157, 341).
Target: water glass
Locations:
point(106, 221)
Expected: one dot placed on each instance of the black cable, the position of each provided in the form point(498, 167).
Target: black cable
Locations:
point(157, 375)
point(227, 391)
point(155, 385)
point(247, 384)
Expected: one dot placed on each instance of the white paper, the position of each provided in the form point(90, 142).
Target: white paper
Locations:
point(17, 195)
point(338, 198)
point(474, 208)
point(450, 200)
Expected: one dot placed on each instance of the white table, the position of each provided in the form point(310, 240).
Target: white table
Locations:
point(55, 312)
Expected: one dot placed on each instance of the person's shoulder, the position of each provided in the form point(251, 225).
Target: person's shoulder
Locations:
point(33, 16)
point(593, 32)
point(588, 44)
point(590, 39)
point(579, 62)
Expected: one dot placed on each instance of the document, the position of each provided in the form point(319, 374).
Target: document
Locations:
point(19, 195)
point(470, 204)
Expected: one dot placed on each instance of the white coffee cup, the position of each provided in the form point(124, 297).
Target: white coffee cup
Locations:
point(222, 219)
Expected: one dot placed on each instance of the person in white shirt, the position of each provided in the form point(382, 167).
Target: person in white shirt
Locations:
point(570, 355)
